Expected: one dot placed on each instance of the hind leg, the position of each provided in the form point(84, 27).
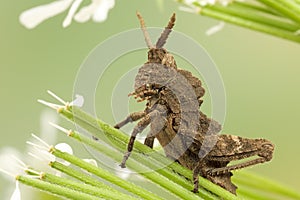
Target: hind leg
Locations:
point(229, 148)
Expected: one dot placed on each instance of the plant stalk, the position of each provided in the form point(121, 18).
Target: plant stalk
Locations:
point(55, 189)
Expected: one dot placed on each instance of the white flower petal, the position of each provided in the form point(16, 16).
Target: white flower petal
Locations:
point(215, 29)
point(124, 173)
point(48, 132)
point(64, 147)
point(110, 3)
point(206, 2)
point(98, 9)
point(189, 2)
point(41, 156)
point(91, 161)
point(16, 194)
point(100, 15)
point(56, 97)
point(8, 162)
point(78, 101)
point(101, 12)
point(34, 16)
point(225, 2)
point(87, 12)
point(58, 173)
point(192, 9)
point(71, 13)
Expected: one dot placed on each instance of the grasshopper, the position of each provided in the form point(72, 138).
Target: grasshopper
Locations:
point(188, 136)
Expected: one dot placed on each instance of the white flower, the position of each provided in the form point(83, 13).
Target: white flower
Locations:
point(225, 2)
point(71, 13)
point(209, 2)
point(10, 157)
point(190, 9)
point(78, 101)
point(97, 10)
point(8, 162)
point(123, 173)
point(215, 29)
point(64, 147)
point(34, 16)
point(195, 6)
point(16, 194)
point(206, 2)
point(91, 161)
point(48, 133)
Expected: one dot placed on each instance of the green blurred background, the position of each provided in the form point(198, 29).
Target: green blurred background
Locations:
point(260, 74)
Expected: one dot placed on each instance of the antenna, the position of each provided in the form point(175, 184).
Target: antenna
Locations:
point(164, 35)
point(146, 34)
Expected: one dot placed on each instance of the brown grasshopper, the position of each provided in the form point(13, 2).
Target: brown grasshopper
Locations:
point(187, 135)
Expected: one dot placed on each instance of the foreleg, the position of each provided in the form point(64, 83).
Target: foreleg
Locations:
point(145, 121)
point(131, 118)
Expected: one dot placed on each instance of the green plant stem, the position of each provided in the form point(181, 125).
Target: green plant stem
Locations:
point(105, 175)
point(256, 16)
point(79, 175)
point(139, 163)
point(87, 179)
point(88, 189)
point(55, 189)
point(178, 186)
point(86, 121)
point(211, 12)
point(111, 132)
point(100, 128)
point(292, 4)
point(258, 8)
point(284, 7)
point(250, 194)
point(251, 180)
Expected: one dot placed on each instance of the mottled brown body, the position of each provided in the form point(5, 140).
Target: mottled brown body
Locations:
point(186, 134)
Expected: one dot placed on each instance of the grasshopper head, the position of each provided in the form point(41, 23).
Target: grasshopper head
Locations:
point(156, 54)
